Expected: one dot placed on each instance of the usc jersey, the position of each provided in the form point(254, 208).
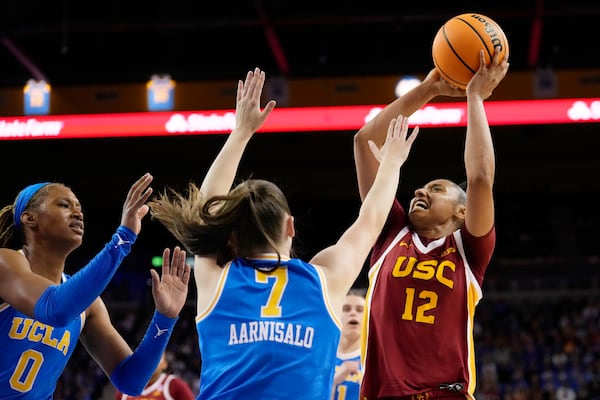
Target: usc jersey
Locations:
point(419, 311)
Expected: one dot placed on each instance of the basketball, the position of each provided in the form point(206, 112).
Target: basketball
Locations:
point(456, 46)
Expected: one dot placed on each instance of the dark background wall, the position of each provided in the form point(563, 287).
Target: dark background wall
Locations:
point(547, 182)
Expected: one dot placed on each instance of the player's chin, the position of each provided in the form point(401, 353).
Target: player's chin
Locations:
point(417, 217)
point(75, 240)
point(416, 212)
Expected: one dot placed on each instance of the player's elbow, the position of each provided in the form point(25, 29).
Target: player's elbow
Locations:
point(361, 139)
point(483, 177)
point(126, 381)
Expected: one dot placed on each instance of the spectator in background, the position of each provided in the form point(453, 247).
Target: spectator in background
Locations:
point(348, 368)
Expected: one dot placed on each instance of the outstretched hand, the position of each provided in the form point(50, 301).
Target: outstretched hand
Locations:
point(170, 291)
point(135, 208)
point(248, 115)
point(487, 78)
point(440, 87)
point(397, 145)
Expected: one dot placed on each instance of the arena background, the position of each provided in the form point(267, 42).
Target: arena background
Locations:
point(539, 322)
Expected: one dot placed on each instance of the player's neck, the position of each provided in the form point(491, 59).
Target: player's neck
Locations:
point(348, 345)
point(44, 262)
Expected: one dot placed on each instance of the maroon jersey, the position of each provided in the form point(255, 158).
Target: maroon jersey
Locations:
point(166, 387)
point(420, 306)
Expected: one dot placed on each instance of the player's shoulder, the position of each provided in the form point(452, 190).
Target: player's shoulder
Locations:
point(12, 259)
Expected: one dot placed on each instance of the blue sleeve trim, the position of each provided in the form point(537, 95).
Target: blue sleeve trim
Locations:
point(133, 373)
point(60, 304)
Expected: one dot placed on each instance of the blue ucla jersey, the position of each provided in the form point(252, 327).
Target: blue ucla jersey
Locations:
point(34, 354)
point(268, 335)
point(349, 389)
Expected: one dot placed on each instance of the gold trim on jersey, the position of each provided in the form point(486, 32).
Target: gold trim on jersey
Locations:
point(326, 299)
point(216, 294)
point(268, 256)
point(474, 295)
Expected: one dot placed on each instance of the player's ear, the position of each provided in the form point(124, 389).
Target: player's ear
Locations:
point(460, 211)
point(29, 219)
point(290, 228)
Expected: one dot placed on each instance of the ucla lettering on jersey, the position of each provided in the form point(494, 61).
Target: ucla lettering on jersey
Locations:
point(34, 354)
point(35, 331)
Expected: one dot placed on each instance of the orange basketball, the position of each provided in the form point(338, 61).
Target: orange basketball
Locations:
point(457, 44)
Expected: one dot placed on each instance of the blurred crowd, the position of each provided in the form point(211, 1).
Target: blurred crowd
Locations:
point(538, 350)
